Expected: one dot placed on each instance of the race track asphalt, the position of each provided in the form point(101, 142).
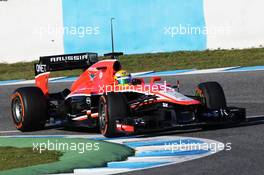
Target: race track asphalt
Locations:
point(243, 89)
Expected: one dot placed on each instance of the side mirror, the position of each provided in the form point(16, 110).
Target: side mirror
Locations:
point(154, 79)
point(137, 81)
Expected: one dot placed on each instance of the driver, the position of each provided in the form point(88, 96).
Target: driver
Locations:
point(123, 77)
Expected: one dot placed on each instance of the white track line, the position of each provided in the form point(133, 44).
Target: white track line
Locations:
point(256, 116)
point(207, 71)
point(98, 135)
point(6, 132)
point(88, 135)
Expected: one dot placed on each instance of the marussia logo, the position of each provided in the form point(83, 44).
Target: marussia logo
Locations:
point(68, 58)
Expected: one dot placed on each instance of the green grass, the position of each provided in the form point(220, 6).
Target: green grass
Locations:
point(83, 155)
point(157, 62)
point(11, 157)
point(196, 59)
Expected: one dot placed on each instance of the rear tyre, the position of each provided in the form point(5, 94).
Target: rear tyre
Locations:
point(111, 108)
point(212, 95)
point(29, 109)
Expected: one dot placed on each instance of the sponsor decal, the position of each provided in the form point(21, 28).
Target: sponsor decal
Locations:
point(92, 77)
point(68, 58)
point(101, 75)
point(41, 68)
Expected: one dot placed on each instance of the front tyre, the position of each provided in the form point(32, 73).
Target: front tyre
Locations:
point(29, 109)
point(212, 95)
point(111, 108)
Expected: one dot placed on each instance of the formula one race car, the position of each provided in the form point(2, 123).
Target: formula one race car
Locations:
point(109, 98)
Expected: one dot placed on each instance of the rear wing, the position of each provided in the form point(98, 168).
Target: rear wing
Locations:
point(65, 62)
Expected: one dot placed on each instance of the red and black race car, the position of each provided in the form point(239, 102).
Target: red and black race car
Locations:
point(107, 97)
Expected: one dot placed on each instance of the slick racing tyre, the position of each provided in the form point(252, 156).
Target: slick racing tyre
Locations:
point(111, 108)
point(29, 109)
point(212, 95)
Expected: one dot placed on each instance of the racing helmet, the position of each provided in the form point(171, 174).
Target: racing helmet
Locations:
point(123, 77)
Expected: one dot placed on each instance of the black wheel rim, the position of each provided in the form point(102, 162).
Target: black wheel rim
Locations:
point(102, 117)
point(17, 110)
